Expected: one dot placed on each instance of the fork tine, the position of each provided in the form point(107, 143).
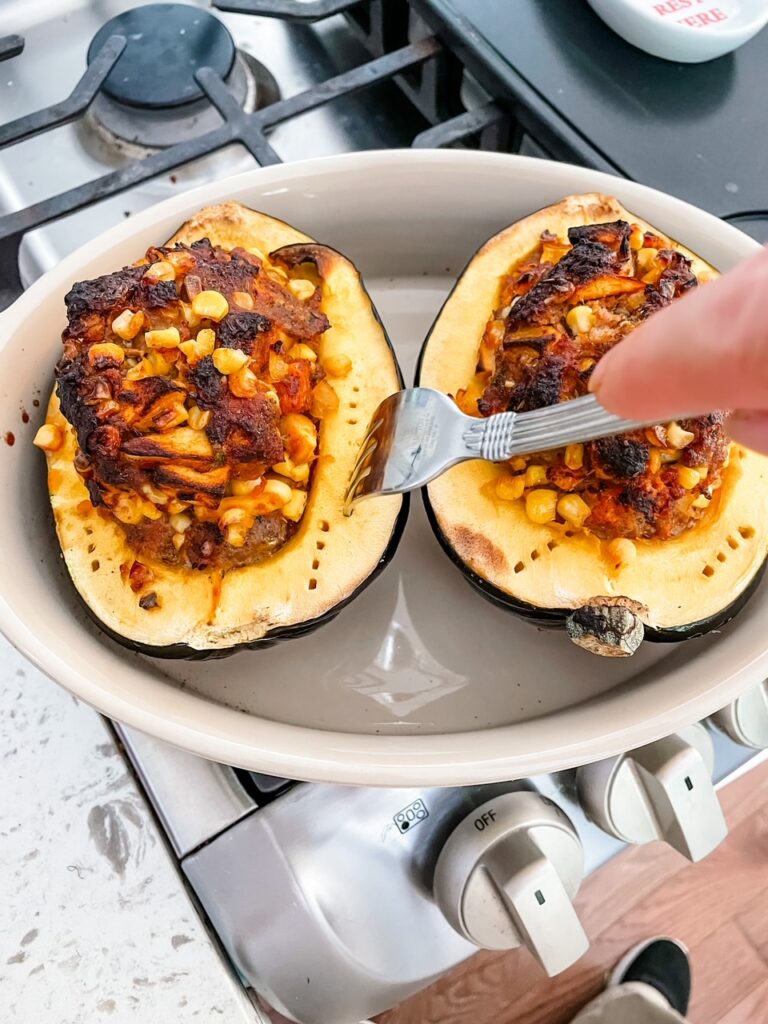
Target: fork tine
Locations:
point(355, 489)
point(367, 448)
point(361, 470)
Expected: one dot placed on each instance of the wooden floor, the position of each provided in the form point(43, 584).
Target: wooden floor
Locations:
point(718, 908)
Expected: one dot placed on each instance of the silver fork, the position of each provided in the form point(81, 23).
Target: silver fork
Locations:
point(418, 433)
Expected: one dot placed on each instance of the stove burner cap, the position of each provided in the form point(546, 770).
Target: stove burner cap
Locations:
point(167, 43)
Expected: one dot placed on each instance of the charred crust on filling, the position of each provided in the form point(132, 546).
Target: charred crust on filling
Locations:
point(621, 457)
point(615, 235)
point(246, 428)
point(120, 418)
point(242, 330)
point(584, 262)
point(629, 493)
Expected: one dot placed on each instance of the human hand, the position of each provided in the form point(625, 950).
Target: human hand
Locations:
point(706, 351)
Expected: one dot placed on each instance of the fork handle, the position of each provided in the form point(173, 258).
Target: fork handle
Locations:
point(491, 438)
point(500, 437)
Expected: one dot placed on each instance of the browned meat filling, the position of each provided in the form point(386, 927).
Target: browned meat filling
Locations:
point(557, 315)
point(194, 386)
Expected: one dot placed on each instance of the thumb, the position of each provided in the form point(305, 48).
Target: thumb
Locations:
point(750, 428)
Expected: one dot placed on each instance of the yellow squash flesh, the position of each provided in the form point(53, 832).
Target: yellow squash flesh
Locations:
point(322, 565)
point(681, 581)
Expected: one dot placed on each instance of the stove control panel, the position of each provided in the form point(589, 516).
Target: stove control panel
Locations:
point(663, 790)
point(506, 877)
point(745, 721)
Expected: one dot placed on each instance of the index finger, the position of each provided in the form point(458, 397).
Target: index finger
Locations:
point(706, 351)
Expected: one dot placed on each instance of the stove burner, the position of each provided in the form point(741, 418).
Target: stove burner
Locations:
point(167, 44)
point(151, 99)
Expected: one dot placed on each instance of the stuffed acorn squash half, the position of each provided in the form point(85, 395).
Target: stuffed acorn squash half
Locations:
point(208, 409)
point(662, 533)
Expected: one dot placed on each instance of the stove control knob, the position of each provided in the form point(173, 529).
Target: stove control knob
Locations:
point(661, 791)
point(507, 875)
point(746, 719)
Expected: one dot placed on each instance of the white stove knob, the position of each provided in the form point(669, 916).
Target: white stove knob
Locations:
point(507, 875)
point(661, 791)
point(746, 719)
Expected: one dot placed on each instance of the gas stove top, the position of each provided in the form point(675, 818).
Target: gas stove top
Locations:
point(318, 882)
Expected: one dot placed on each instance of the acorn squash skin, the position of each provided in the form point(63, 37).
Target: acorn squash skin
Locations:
point(444, 514)
point(360, 554)
point(274, 637)
point(555, 618)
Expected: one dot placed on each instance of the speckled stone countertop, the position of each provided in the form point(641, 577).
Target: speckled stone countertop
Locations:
point(95, 923)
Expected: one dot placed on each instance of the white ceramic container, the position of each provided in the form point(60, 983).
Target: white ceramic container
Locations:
point(420, 681)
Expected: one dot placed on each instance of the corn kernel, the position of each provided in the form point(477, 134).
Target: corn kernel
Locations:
point(139, 371)
point(580, 319)
point(229, 360)
point(205, 341)
point(155, 496)
point(294, 508)
point(657, 436)
point(645, 259)
point(669, 455)
point(636, 236)
point(338, 365)
point(689, 478)
point(108, 350)
point(300, 436)
point(518, 463)
point(189, 315)
point(510, 488)
point(236, 536)
point(302, 351)
point(278, 490)
point(654, 460)
point(325, 401)
point(158, 364)
point(677, 437)
point(177, 540)
point(621, 551)
point(197, 418)
point(168, 337)
point(180, 522)
point(288, 468)
point(243, 300)
point(202, 346)
point(535, 475)
point(585, 364)
point(240, 488)
point(541, 505)
point(210, 306)
point(160, 271)
point(702, 501)
point(233, 517)
point(128, 324)
point(573, 509)
point(302, 289)
point(49, 437)
point(128, 508)
point(574, 456)
point(244, 383)
point(150, 511)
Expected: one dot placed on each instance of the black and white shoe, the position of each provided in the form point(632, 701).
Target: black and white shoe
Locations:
point(661, 963)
